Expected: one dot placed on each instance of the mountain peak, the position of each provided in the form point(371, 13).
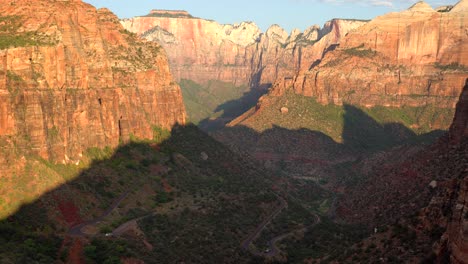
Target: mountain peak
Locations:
point(170, 13)
point(461, 6)
point(421, 6)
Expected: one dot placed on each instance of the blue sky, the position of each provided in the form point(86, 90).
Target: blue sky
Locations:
point(287, 13)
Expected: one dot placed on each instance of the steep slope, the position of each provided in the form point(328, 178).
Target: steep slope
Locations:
point(413, 57)
point(79, 80)
point(201, 50)
point(418, 206)
point(456, 235)
point(71, 78)
point(363, 106)
point(181, 198)
point(240, 56)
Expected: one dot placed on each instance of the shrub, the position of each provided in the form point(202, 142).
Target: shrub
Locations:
point(454, 66)
point(160, 134)
point(360, 52)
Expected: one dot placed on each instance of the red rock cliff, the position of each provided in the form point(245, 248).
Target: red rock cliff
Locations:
point(76, 80)
point(203, 50)
point(413, 57)
point(459, 128)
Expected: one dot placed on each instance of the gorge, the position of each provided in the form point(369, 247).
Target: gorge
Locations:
point(341, 144)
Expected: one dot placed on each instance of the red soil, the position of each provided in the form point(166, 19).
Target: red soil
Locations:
point(70, 211)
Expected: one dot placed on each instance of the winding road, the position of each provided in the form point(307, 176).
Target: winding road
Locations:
point(76, 229)
point(272, 244)
point(246, 243)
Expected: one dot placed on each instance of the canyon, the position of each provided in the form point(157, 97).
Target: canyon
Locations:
point(79, 80)
point(203, 50)
point(416, 57)
point(71, 79)
point(413, 57)
point(224, 69)
point(356, 153)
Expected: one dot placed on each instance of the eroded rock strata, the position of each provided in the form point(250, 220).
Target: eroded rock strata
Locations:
point(203, 50)
point(415, 57)
point(72, 78)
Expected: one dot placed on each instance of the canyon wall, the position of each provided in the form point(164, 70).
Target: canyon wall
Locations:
point(72, 78)
point(459, 128)
point(415, 57)
point(203, 50)
point(456, 236)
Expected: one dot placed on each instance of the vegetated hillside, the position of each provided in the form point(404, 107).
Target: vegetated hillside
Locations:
point(212, 105)
point(419, 205)
point(72, 78)
point(181, 197)
point(370, 103)
point(324, 141)
point(218, 57)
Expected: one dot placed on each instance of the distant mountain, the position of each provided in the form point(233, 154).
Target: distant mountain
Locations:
point(240, 55)
point(414, 57)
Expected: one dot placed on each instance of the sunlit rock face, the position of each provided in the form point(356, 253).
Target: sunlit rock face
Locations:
point(203, 50)
point(414, 57)
point(75, 79)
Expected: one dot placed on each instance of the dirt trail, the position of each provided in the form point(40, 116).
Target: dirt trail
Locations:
point(272, 244)
point(76, 229)
point(245, 245)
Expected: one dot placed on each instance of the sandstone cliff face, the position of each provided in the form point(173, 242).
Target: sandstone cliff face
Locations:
point(203, 50)
point(413, 57)
point(459, 129)
point(457, 231)
point(86, 83)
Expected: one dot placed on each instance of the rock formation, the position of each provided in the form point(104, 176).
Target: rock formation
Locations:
point(72, 78)
point(456, 237)
point(426, 192)
point(203, 50)
point(459, 128)
point(414, 57)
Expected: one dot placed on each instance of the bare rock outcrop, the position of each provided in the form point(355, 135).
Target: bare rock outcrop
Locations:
point(72, 78)
point(203, 50)
point(414, 57)
point(459, 128)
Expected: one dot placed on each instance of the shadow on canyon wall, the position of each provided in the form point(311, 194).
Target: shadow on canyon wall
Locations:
point(188, 174)
point(361, 134)
point(232, 109)
point(146, 174)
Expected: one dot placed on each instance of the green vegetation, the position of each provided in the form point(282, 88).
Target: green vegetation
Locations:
point(360, 52)
point(454, 66)
point(14, 77)
point(160, 134)
point(10, 37)
point(384, 126)
point(106, 251)
point(14, 83)
point(215, 99)
point(202, 205)
point(27, 237)
point(445, 9)
point(168, 14)
point(326, 240)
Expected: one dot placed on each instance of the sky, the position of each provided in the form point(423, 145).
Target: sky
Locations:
point(289, 14)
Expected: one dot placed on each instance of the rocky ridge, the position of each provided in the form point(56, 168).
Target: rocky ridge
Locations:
point(425, 193)
point(203, 50)
point(456, 236)
point(78, 80)
point(414, 57)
